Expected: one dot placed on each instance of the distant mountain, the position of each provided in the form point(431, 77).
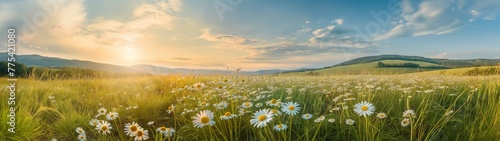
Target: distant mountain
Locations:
point(43, 61)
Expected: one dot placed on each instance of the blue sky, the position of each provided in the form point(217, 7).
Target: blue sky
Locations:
point(253, 34)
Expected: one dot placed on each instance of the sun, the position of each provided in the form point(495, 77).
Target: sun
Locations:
point(129, 54)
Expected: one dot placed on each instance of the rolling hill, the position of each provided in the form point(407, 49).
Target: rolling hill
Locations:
point(369, 65)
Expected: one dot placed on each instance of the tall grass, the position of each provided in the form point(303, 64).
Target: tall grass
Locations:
point(446, 108)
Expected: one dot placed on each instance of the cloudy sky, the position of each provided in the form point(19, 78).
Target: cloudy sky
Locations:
point(251, 34)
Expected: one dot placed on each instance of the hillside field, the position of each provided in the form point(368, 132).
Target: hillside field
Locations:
point(371, 68)
point(264, 107)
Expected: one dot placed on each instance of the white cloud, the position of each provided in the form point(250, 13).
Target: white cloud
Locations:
point(436, 17)
point(489, 17)
point(442, 55)
point(226, 40)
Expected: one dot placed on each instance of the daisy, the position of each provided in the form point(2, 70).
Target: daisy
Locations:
point(246, 105)
point(170, 109)
point(94, 122)
point(199, 85)
point(101, 111)
point(381, 115)
point(203, 118)
point(80, 130)
point(409, 113)
point(131, 129)
point(331, 120)
point(104, 127)
point(221, 105)
point(227, 116)
point(151, 123)
point(166, 131)
point(272, 102)
point(82, 137)
point(261, 118)
point(275, 112)
point(112, 115)
point(364, 108)
point(321, 118)
point(243, 111)
point(349, 121)
point(290, 108)
point(307, 116)
point(258, 105)
point(141, 134)
point(405, 122)
point(280, 127)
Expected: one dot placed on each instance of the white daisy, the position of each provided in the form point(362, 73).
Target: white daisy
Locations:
point(112, 115)
point(409, 113)
point(364, 108)
point(94, 122)
point(331, 120)
point(169, 132)
point(349, 121)
point(82, 137)
point(246, 105)
point(170, 109)
point(198, 86)
point(273, 102)
point(258, 105)
point(321, 118)
point(151, 123)
point(405, 122)
point(141, 134)
point(280, 127)
point(290, 108)
point(381, 115)
point(261, 118)
point(131, 129)
point(227, 116)
point(203, 118)
point(307, 116)
point(104, 127)
point(101, 111)
point(80, 130)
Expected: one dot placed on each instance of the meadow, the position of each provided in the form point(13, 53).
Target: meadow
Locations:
point(264, 107)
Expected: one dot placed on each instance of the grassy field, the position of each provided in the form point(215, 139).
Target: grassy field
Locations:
point(371, 68)
point(231, 107)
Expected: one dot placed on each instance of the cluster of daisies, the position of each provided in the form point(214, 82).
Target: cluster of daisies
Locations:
point(259, 119)
point(133, 130)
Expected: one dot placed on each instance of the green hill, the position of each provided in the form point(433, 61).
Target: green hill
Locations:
point(398, 64)
point(372, 68)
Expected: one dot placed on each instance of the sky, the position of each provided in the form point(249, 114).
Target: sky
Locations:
point(251, 34)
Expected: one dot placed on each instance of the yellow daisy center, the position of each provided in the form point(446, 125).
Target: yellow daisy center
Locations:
point(204, 120)
point(273, 101)
point(274, 111)
point(163, 128)
point(280, 126)
point(227, 114)
point(170, 108)
point(262, 117)
point(104, 128)
point(291, 108)
point(364, 108)
point(140, 133)
point(247, 104)
point(133, 128)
